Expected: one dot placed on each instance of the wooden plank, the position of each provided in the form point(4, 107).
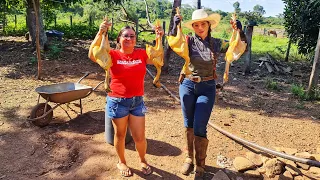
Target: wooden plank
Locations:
point(275, 66)
point(268, 67)
point(261, 63)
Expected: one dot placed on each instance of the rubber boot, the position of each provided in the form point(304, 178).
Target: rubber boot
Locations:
point(201, 146)
point(188, 166)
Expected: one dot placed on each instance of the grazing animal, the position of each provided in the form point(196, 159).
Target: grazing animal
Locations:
point(272, 32)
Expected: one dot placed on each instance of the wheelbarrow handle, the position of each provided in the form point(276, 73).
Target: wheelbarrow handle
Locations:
point(97, 85)
point(85, 75)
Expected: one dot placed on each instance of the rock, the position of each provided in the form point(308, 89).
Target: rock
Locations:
point(290, 163)
point(303, 166)
point(286, 176)
point(220, 175)
point(316, 156)
point(262, 170)
point(242, 164)
point(305, 155)
point(290, 151)
point(315, 171)
point(298, 178)
point(254, 158)
point(293, 170)
point(252, 173)
point(273, 167)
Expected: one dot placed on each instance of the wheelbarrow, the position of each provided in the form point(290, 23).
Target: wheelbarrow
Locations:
point(61, 93)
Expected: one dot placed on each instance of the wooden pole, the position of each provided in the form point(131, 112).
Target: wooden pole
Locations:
point(314, 77)
point(198, 4)
point(137, 29)
point(36, 5)
point(164, 32)
point(71, 21)
point(247, 63)
point(288, 51)
point(111, 25)
point(55, 21)
point(15, 22)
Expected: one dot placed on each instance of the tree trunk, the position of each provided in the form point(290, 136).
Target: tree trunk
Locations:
point(247, 63)
point(165, 68)
point(36, 5)
point(314, 77)
point(288, 51)
point(31, 24)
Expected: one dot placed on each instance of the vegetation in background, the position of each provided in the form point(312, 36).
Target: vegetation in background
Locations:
point(302, 23)
point(272, 85)
point(87, 15)
point(298, 91)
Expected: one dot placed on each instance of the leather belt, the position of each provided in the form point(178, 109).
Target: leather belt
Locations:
point(199, 79)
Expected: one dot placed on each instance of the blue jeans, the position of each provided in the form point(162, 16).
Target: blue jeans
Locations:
point(121, 107)
point(197, 100)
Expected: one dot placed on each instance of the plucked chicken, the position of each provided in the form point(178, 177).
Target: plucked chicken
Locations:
point(179, 45)
point(156, 55)
point(235, 50)
point(101, 54)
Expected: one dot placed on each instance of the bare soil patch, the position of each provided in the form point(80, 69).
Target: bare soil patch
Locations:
point(75, 147)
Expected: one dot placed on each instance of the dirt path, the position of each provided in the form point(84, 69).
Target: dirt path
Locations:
point(76, 148)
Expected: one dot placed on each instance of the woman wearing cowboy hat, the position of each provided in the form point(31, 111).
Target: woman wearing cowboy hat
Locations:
point(197, 90)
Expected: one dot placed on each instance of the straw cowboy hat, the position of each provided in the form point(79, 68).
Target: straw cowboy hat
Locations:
point(201, 15)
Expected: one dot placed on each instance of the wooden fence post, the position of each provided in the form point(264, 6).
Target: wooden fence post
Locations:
point(247, 63)
point(137, 29)
point(111, 26)
point(288, 51)
point(314, 77)
point(164, 32)
point(71, 21)
point(55, 20)
point(15, 21)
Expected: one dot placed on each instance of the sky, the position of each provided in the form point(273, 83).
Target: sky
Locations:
point(272, 7)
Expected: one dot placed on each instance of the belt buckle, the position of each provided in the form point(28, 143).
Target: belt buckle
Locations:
point(197, 79)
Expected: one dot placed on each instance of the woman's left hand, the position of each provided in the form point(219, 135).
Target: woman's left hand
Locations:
point(159, 31)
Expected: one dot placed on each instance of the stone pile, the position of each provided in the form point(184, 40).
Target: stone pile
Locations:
point(260, 165)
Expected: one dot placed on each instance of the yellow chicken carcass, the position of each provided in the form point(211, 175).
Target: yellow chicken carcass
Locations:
point(234, 52)
point(156, 55)
point(179, 45)
point(103, 58)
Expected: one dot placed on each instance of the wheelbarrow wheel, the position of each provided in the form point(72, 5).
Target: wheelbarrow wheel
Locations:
point(38, 111)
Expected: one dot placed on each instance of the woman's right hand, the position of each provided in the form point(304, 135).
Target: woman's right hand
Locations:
point(104, 26)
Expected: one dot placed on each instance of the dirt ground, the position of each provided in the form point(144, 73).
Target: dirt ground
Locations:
point(75, 148)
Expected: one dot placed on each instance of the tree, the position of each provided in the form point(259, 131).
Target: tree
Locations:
point(302, 23)
point(237, 8)
point(259, 9)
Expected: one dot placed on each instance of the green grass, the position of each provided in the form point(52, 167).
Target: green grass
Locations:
point(272, 85)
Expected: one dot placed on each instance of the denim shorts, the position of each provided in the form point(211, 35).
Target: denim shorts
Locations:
point(121, 107)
